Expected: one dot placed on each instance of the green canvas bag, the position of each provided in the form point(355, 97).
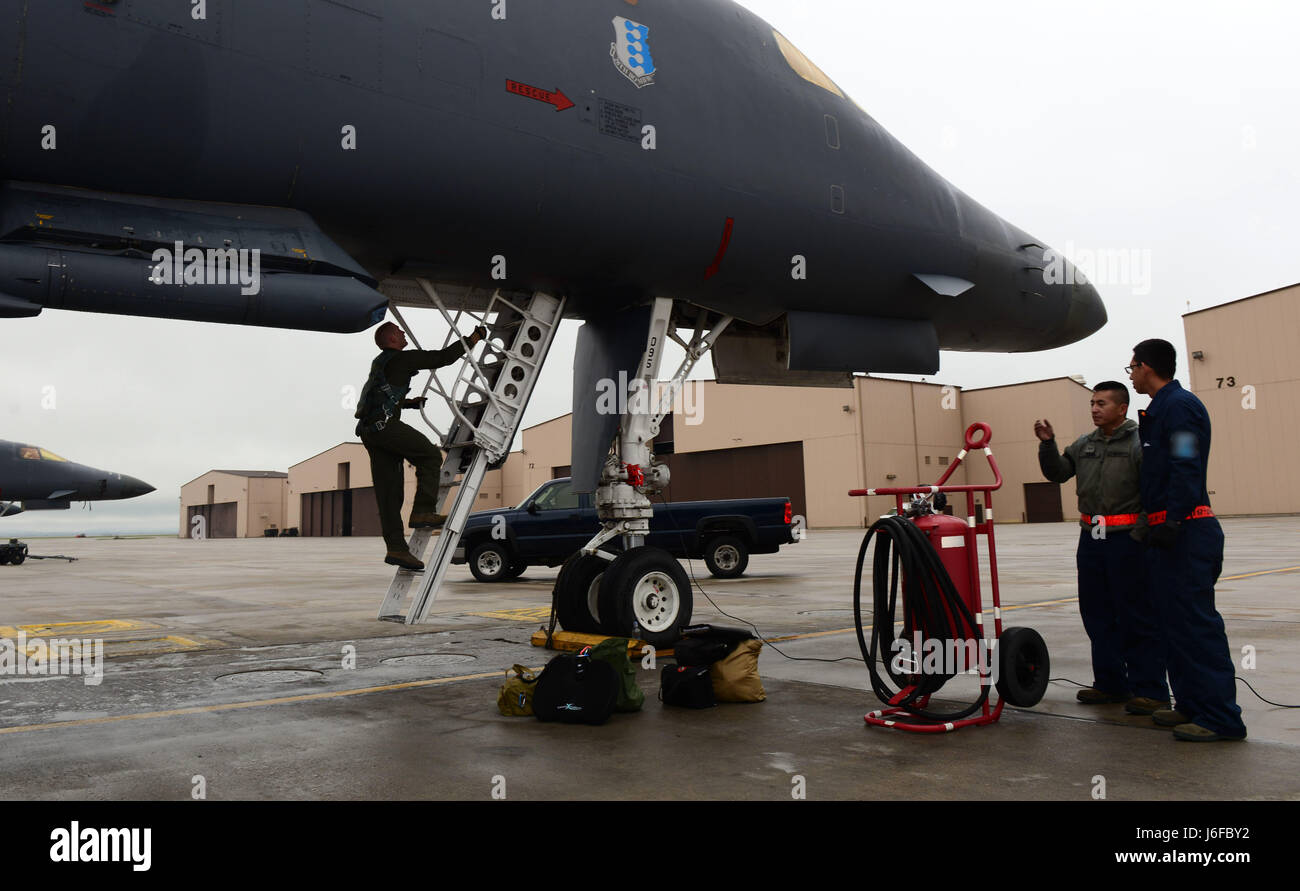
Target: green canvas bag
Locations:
point(614, 651)
point(516, 697)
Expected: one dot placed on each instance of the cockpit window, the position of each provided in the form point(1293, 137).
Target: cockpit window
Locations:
point(32, 453)
point(804, 67)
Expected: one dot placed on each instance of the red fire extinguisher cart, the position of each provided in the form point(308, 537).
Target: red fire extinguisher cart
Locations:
point(935, 557)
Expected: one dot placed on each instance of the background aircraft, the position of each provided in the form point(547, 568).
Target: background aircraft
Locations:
point(41, 480)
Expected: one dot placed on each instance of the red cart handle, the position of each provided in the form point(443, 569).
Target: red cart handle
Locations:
point(972, 444)
point(977, 427)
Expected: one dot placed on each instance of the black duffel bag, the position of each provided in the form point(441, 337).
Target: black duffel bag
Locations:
point(702, 651)
point(706, 644)
point(576, 690)
point(688, 686)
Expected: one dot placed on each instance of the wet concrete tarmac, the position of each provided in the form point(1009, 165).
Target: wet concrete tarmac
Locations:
point(258, 666)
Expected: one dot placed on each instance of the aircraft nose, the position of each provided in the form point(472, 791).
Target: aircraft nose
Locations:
point(130, 487)
point(1085, 314)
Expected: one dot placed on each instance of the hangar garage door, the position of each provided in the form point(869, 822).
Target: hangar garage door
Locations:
point(222, 520)
point(1043, 503)
point(767, 471)
point(341, 513)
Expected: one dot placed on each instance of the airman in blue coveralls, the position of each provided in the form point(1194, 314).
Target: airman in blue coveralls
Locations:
point(1184, 551)
point(1118, 614)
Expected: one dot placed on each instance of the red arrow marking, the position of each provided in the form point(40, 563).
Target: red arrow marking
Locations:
point(722, 248)
point(558, 99)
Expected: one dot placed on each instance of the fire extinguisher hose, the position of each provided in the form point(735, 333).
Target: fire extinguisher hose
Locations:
point(931, 601)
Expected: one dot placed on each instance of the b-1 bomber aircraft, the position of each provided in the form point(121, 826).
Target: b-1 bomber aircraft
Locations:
point(36, 479)
point(673, 169)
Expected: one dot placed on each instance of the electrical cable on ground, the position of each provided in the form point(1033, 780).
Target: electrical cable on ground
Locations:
point(1238, 677)
point(690, 569)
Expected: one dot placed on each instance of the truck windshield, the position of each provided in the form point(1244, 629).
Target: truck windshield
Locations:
point(552, 495)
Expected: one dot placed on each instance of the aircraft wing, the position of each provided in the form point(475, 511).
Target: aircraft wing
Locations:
point(63, 248)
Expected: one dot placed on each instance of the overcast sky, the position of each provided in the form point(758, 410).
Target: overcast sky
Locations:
point(1166, 131)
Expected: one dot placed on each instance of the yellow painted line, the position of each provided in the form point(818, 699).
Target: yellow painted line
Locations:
point(1230, 578)
point(531, 614)
point(1005, 609)
point(99, 626)
point(256, 703)
point(169, 643)
point(141, 647)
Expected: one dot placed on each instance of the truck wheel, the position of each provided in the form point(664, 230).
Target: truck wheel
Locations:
point(491, 561)
point(515, 571)
point(4, 558)
point(18, 557)
point(726, 556)
point(576, 591)
point(1023, 667)
point(646, 595)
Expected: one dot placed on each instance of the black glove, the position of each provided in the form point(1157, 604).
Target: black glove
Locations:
point(1165, 535)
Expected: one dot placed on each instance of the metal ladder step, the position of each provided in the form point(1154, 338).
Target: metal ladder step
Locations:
point(480, 436)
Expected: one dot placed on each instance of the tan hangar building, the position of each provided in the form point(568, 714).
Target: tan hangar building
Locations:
point(235, 503)
point(1242, 362)
point(722, 442)
point(333, 493)
point(826, 441)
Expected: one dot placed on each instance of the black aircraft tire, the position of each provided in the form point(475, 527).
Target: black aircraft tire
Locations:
point(579, 577)
point(726, 556)
point(1024, 667)
point(646, 595)
point(491, 561)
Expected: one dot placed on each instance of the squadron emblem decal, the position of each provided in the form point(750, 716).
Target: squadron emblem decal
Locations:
point(631, 52)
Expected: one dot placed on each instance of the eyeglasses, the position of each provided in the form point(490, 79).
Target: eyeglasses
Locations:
point(1128, 369)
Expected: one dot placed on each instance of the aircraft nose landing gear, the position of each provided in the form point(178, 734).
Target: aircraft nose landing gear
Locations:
point(645, 594)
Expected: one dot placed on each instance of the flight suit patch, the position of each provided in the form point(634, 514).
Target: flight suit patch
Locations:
point(1184, 445)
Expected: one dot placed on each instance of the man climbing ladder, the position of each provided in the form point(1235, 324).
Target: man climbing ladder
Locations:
point(388, 441)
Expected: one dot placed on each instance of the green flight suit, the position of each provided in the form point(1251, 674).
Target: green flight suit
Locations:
point(1108, 470)
point(394, 441)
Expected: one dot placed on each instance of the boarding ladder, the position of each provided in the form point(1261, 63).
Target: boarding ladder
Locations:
point(487, 402)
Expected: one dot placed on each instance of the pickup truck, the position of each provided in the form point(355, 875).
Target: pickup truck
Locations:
point(554, 522)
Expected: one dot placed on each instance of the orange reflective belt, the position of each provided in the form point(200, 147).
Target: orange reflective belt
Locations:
point(1112, 520)
point(1200, 513)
